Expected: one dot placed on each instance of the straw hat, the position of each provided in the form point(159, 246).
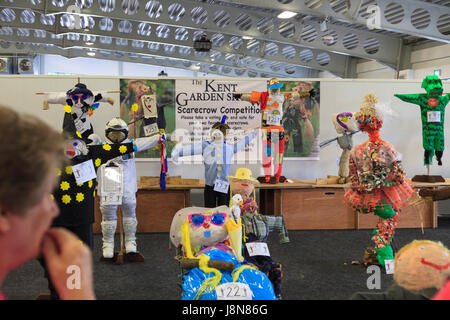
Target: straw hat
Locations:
point(243, 174)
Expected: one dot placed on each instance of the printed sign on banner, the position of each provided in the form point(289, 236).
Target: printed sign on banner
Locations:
point(200, 103)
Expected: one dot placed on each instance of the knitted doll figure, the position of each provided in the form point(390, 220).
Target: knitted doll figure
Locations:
point(432, 110)
point(378, 182)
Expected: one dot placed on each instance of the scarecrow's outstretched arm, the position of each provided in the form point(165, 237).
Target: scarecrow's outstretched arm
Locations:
point(244, 96)
point(411, 98)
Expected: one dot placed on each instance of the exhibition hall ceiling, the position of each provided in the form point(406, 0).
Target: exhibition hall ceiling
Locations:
point(249, 37)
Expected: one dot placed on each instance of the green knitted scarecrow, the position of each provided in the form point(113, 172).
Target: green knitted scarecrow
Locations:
point(432, 109)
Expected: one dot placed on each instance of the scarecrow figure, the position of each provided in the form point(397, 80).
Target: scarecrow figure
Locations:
point(378, 182)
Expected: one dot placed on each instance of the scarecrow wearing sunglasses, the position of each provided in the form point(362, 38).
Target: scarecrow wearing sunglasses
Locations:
point(432, 110)
point(378, 182)
point(79, 104)
point(209, 243)
point(271, 104)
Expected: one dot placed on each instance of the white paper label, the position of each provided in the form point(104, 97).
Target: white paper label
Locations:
point(389, 266)
point(434, 116)
point(151, 129)
point(84, 171)
point(149, 104)
point(221, 185)
point(273, 119)
point(111, 188)
point(82, 126)
point(257, 249)
point(234, 291)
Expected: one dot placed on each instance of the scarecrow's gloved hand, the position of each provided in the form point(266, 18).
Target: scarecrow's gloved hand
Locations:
point(98, 97)
point(69, 102)
point(312, 93)
point(237, 96)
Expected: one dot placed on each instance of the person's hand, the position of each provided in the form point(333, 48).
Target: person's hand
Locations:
point(69, 264)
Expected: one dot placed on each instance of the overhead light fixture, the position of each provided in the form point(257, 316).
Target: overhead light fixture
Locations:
point(89, 43)
point(286, 15)
point(203, 44)
point(247, 38)
point(91, 53)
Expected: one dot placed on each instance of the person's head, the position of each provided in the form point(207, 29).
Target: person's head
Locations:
point(31, 154)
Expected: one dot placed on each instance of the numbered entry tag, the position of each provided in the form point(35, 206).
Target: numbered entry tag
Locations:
point(389, 266)
point(151, 129)
point(257, 249)
point(149, 104)
point(234, 291)
point(221, 185)
point(84, 171)
point(82, 123)
point(273, 119)
point(434, 116)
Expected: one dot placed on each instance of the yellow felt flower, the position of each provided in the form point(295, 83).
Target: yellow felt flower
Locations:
point(98, 162)
point(79, 135)
point(134, 107)
point(93, 193)
point(80, 185)
point(107, 147)
point(66, 199)
point(64, 186)
point(58, 172)
point(123, 149)
point(79, 197)
point(90, 184)
point(67, 108)
point(69, 170)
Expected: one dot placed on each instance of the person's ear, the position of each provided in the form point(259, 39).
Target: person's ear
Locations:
point(5, 222)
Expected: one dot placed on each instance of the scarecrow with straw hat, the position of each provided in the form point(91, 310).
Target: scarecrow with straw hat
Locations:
point(257, 228)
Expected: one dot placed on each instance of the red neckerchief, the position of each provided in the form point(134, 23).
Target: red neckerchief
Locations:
point(263, 100)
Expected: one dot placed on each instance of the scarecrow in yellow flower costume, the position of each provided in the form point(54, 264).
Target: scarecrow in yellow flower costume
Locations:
point(209, 243)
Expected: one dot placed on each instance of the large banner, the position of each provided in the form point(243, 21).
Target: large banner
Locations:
point(200, 103)
point(190, 107)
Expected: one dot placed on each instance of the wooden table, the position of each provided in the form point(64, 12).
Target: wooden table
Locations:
point(304, 204)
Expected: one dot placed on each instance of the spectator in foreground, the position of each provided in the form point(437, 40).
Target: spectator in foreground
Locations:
point(32, 152)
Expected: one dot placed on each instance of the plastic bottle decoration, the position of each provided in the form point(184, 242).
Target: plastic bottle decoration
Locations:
point(432, 110)
point(378, 183)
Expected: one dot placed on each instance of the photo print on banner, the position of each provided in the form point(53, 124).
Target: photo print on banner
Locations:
point(190, 107)
point(148, 106)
